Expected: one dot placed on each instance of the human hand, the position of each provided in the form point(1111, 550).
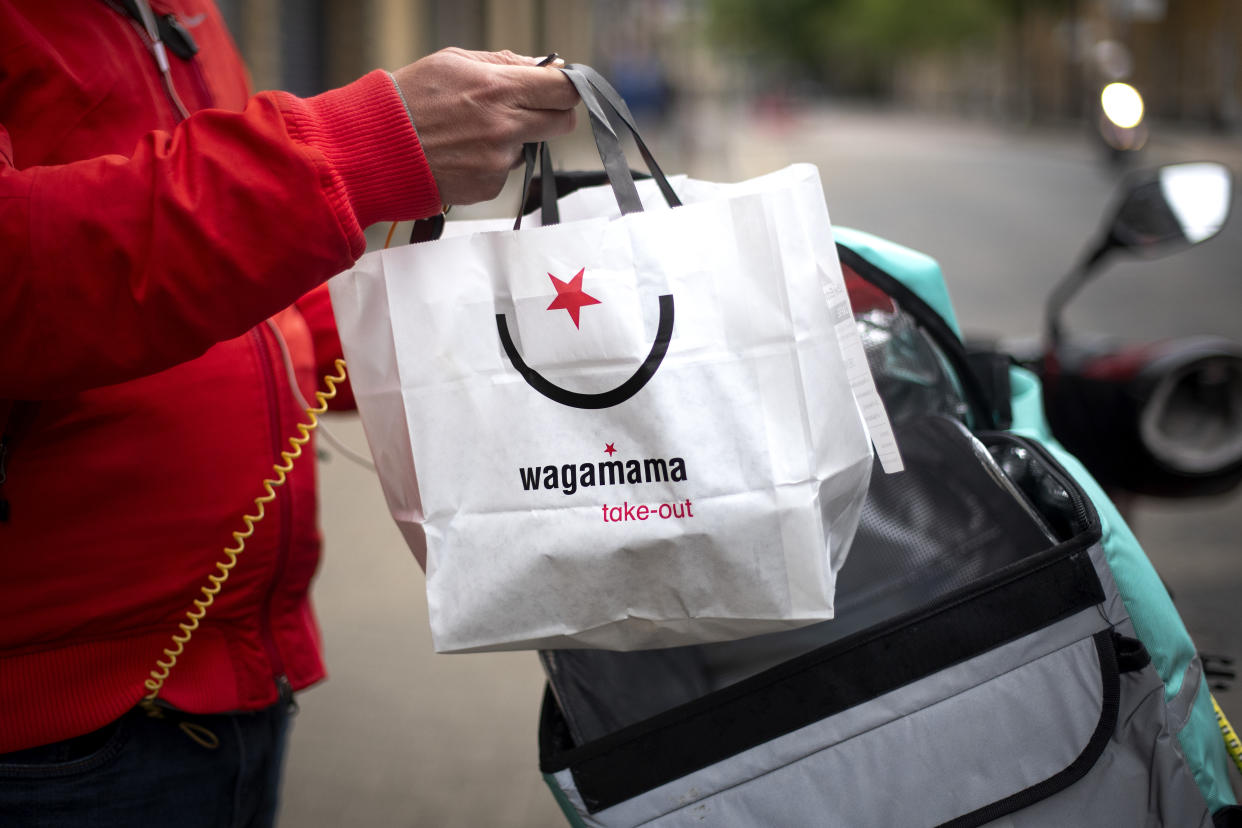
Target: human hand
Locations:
point(474, 110)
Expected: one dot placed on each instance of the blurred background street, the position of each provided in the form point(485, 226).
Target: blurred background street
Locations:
point(965, 132)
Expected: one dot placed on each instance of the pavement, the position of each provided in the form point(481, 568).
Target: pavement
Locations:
point(400, 736)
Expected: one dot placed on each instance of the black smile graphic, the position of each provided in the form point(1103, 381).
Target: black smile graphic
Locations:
point(605, 399)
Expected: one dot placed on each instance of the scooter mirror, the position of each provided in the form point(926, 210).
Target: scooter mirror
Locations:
point(1172, 207)
point(1159, 212)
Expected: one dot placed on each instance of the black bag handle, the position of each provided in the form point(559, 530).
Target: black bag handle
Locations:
point(551, 213)
point(619, 108)
point(608, 115)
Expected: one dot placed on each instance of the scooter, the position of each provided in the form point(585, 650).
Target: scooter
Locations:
point(1161, 419)
point(1158, 419)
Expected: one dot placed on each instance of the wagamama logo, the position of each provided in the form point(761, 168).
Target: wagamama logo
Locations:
point(571, 297)
point(570, 476)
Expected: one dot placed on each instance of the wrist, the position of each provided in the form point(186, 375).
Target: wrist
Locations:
point(374, 161)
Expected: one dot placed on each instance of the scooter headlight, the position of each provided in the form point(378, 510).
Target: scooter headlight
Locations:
point(1122, 104)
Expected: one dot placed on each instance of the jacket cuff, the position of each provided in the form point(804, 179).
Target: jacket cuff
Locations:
point(376, 170)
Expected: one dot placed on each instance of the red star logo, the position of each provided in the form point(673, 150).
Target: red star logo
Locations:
point(610, 449)
point(570, 297)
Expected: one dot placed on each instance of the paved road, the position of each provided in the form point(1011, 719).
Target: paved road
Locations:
point(401, 736)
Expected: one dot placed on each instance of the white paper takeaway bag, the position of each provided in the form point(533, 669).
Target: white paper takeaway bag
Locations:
point(622, 432)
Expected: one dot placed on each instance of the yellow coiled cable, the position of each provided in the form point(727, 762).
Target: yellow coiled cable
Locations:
point(164, 666)
point(1231, 738)
point(224, 566)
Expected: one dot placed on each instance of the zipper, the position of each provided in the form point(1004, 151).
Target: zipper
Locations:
point(182, 43)
point(200, 84)
point(149, 48)
point(1085, 515)
point(284, 689)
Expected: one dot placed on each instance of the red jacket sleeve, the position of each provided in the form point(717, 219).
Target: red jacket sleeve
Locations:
point(116, 267)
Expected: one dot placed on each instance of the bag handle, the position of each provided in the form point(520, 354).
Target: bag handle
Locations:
point(550, 212)
point(617, 106)
point(608, 114)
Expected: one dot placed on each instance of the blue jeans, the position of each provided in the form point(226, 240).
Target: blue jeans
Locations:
point(182, 770)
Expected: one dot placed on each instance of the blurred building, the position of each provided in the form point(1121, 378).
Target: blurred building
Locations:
point(306, 46)
point(655, 52)
point(1046, 63)
point(1186, 59)
point(1040, 65)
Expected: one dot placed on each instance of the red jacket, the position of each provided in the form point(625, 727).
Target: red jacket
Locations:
point(141, 257)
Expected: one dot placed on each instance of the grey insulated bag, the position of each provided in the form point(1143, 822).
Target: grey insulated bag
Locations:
point(984, 666)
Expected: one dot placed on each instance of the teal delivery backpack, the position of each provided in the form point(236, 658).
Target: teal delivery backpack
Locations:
point(1003, 652)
